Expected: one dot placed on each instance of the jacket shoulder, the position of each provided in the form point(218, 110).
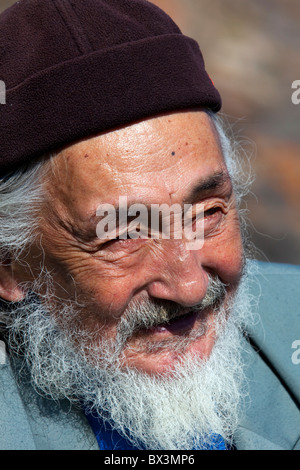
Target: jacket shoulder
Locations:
point(277, 332)
point(32, 422)
point(272, 419)
point(16, 432)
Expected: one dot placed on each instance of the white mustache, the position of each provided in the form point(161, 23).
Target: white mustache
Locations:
point(152, 313)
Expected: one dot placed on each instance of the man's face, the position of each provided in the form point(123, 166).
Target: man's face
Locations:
point(169, 159)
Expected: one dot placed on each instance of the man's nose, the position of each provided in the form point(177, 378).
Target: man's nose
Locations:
point(179, 275)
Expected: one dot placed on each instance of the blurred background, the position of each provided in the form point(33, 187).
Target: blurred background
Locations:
point(251, 49)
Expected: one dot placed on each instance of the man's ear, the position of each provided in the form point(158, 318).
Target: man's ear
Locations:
point(9, 288)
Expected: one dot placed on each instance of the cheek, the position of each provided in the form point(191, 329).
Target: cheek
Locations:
point(224, 254)
point(113, 284)
point(103, 298)
point(109, 289)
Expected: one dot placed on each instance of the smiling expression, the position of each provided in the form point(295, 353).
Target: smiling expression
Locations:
point(169, 159)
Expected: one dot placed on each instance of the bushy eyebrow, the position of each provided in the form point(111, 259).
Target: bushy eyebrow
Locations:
point(201, 189)
point(217, 182)
point(205, 187)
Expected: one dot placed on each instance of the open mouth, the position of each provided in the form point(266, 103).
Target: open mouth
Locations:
point(179, 325)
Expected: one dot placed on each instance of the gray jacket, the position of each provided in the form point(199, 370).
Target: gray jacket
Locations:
point(272, 417)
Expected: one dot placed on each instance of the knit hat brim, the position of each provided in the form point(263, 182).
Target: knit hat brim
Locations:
point(101, 90)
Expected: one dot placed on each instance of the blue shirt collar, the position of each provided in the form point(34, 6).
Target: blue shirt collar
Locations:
point(110, 439)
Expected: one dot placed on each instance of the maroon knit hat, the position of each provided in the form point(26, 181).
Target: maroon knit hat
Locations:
point(74, 68)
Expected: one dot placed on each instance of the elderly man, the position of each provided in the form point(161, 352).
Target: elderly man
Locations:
point(118, 331)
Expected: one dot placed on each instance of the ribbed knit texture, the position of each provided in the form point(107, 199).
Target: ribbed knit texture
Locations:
point(75, 68)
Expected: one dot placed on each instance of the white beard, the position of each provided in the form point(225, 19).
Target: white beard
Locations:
point(181, 411)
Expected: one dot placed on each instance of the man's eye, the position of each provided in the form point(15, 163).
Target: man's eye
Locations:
point(202, 215)
point(212, 219)
point(212, 211)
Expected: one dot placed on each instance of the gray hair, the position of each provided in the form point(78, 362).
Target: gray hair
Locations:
point(236, 158)
point(21, 194)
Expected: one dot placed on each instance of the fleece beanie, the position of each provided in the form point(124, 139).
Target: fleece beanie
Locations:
point(75, 68)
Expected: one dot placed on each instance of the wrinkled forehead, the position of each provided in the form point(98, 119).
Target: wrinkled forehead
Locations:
point(151, 159)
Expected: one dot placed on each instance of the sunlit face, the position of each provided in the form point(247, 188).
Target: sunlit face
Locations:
point(173, 158)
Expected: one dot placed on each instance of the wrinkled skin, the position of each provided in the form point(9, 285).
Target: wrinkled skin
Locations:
point(160, 160)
